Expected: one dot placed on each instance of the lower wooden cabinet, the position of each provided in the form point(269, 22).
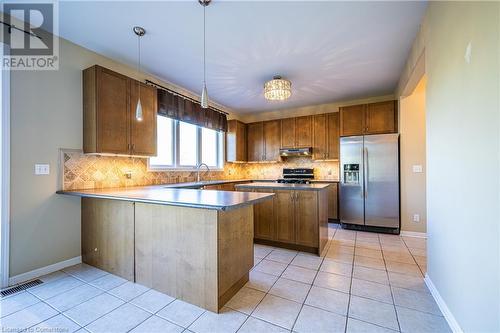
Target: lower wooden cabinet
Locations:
point(264, 219)
point(333, 203)
point(108, 236)
point(285, 224)
point(306, 218)
point(293, 219)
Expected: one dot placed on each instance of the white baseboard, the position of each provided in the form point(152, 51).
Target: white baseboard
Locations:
point(413, 234)
point(450, 318)
point(44, 270)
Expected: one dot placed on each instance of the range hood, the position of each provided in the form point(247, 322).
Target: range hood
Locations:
point(296, 151)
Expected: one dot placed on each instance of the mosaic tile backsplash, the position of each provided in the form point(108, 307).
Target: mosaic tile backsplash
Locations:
point(82, 171)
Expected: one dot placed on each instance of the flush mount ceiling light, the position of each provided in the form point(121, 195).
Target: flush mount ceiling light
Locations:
point(139, 31)
point(204, 92)
point(278, 89)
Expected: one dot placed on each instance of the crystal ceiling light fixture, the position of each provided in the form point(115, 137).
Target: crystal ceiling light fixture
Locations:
point(278, 89)
point(204, 92)
point(139, 31)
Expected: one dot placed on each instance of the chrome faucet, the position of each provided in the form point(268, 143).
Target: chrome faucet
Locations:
point(198, 167)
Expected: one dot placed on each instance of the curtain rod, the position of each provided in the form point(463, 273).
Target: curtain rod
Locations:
point(11, 26)
point(182, 95)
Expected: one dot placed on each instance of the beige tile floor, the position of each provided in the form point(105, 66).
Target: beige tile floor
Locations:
point(364, 282)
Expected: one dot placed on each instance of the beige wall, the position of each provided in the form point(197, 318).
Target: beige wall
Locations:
point(46, 114)
point(412, 152)
point(463, 147)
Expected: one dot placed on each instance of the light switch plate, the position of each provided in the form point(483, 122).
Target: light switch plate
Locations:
point(417, 168)
point(42, 169)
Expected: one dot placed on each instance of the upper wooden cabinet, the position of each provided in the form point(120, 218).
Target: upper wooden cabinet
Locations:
point(352, 120)
point(236, 141)
point(381, 118)
point(288, 133)
point(264, 141)
point(143, 133)
point(319, 137)
point(297, 132)
point(109, 123)
point(255, 134)
point(332, 138)
point(326, 136)
point(303, 131)
point(272, 138)
point(374, 118)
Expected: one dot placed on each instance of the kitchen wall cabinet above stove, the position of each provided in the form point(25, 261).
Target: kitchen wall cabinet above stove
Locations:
point(263, 141)
point(109, 122)
point(373, 118)
point(297, 132)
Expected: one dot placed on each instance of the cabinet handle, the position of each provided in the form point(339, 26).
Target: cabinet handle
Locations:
point(133, 146)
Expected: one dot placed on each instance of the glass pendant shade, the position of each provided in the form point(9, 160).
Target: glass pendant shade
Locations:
point(278, 89)
point(138, 111)
point(204, 97)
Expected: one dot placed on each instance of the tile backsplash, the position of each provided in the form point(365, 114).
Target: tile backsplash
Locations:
point(80, 171)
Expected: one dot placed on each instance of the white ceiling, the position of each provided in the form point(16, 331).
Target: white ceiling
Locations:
point(331, 51)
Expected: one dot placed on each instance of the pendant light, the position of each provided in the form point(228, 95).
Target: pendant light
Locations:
point(204, 92)
point(139, 31)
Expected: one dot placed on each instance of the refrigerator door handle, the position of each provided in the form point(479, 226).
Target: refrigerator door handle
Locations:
point(366, 173)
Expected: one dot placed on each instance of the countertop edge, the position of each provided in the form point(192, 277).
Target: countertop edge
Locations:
point(163, 202)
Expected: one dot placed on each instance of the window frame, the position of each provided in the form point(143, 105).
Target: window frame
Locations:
point(176, 151)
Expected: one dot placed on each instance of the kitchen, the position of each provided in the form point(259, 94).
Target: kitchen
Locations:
point(194, 193)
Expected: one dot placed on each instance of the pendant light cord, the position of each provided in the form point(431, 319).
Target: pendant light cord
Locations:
point(204, 47)
point(139, 62)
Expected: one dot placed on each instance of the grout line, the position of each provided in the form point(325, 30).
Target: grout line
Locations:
point(350, 285)
point(312, 283)
point(390, 289)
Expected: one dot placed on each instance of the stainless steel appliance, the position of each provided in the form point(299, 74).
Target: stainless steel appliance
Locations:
point(297, 176)
point(369, 182)
point(296, 152)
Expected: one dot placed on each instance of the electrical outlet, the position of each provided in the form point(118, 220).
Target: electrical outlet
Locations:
point(329, 172)
point(416, 218)
point(42, 169)
point(417, 168)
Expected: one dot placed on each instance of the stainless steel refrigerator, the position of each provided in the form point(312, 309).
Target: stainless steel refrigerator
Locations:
point(369, 182)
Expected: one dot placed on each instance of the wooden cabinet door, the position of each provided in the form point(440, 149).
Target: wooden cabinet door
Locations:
point(333, 201)
point(264, 218)
point(381, 118)
point(288, 133)
point(332, 140)
point(236, 141)
point(143, 133)
point(319, 137)
point(112, 112)
point(306, 218)
point(284, 210)
point(272, 138)
point(303, 131)
point(108, 236)
point(255, 133)
point(352, 120)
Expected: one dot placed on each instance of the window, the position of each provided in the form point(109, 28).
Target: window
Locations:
point(165, 135)
point(183, 146)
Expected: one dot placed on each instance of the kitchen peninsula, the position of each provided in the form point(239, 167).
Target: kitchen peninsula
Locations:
point(191, 244)
point(296, 217)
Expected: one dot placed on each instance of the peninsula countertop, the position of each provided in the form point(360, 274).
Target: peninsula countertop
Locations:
point(283, 186)
point(164, 195)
